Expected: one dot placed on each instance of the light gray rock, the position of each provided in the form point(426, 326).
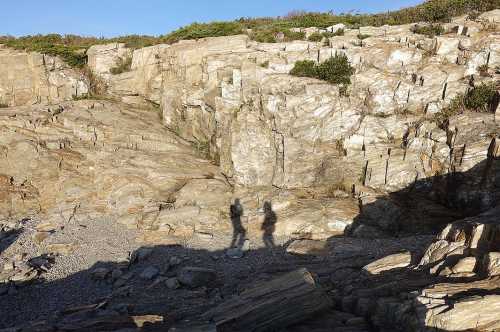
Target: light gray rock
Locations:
point(388, 263)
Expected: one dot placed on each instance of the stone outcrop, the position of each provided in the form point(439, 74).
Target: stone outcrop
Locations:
point(234, 97)
point(209, 150)
point(33, 78)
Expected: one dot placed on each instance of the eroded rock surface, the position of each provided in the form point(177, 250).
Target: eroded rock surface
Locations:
point(208, 170)
point(33, 78)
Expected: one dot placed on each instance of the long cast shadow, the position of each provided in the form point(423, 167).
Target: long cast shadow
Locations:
point(113, 305)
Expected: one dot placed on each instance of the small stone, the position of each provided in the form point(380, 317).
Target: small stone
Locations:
point(39, 237)
point(45, 227)
point(307, 247)
point(196, 277)
point(235, 253)
point(9, 266)
point(61, 248)
point(172, 283)
point(149, 273)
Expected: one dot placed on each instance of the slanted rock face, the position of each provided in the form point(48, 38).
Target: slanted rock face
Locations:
point(33, 78)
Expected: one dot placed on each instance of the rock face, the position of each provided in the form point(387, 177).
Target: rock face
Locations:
point(264, 127)
point(32, 78)
point(238, 173)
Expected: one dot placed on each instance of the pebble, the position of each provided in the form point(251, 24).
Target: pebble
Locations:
point(172, 283)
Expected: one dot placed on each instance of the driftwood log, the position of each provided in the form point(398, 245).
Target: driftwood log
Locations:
point(271, 305)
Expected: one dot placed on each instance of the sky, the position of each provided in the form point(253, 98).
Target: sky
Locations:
point(108, 18)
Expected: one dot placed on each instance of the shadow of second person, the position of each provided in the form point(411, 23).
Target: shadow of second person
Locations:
point(269, 225)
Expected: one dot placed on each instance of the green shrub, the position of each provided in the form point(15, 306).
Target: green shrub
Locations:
point(265, 64)
point(339, 32)
point(54, 45)
point(428, 30)
point(2, 105)
point(123, 65)
point(292, 35)
point(305, 68)
point(363, 36)
point(203, 30)
point(264, 36)
point(480, 98)
point(315, 37)
point(335, 70)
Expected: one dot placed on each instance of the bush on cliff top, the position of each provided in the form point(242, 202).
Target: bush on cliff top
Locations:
point(72, 48)
point(335, 70)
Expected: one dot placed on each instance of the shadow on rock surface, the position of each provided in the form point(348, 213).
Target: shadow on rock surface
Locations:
point(429, 204)
point(148, 291)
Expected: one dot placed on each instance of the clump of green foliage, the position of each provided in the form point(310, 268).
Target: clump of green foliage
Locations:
point(317, 37)
point(203, 30)
point(265, 64)
point(123, 65)
point(306, 68)
point(479, 99)
point(430, 31)
point(2, 105)
point(339, 32)
point(336, 70)
point(54, 45)
point(274, 36)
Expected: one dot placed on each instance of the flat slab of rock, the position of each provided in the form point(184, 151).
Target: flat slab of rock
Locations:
point(272, 305)
point(389, 263)
point(307, 247)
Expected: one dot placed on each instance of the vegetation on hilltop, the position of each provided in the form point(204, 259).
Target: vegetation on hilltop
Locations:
point(72, 48)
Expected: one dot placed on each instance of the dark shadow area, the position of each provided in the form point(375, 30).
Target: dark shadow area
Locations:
point(427, 205)
point(269, 225)
point(239, 232)
point(120, 297)
point(7, 238)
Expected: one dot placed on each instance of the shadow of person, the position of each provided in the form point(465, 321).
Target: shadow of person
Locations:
point(269, 225)
point(239, 232)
